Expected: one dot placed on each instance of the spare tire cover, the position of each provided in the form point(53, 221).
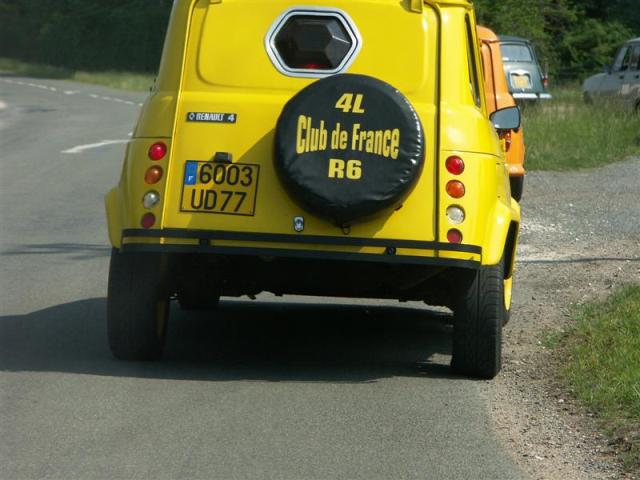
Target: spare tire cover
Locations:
point(349, 146)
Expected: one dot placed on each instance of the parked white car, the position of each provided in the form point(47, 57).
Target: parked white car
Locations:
point(620, 82)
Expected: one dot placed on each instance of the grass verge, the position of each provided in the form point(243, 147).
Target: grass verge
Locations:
point(604, 368)
point(564, 133)
point(122, 80)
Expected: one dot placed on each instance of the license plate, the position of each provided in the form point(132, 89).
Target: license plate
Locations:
point(220, 188)
point(521, 81)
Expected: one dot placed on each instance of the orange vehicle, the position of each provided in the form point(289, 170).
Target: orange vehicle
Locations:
point(498, 96)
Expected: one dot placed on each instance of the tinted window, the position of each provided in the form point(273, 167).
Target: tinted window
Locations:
point(622, 59)
point(515, 53)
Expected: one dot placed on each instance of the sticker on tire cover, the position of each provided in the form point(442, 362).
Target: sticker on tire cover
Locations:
point(349, 146)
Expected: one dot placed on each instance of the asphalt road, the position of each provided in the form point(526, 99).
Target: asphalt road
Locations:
point(288, 389)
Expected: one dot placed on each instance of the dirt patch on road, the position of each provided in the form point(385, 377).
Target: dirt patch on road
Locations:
point(580, 241)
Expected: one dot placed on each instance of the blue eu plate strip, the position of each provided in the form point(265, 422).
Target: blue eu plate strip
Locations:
point(190, 172)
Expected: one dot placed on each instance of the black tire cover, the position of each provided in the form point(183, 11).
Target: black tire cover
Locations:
point(320, 148)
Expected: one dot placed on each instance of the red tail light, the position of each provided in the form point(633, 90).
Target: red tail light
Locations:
point(455, 165)
point(545, 81)
point(157, 151)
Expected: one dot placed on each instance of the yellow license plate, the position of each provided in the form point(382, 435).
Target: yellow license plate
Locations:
point(521, 81)
point(220, 188)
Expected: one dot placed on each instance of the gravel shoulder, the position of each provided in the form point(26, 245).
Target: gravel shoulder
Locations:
point(580, 240)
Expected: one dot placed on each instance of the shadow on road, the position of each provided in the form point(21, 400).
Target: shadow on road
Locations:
point(267, 341)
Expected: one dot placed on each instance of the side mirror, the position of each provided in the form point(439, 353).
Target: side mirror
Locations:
point(506, 118)
point(607, 69)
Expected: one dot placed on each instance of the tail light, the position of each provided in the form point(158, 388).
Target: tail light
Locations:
point(455, 189)
point(153, 175)
point(545, 81)
point(455, 165)
point(157, 151)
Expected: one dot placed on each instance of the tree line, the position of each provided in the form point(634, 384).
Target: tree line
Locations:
point(573, 37)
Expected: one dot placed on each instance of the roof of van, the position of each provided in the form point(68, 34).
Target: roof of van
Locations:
point(486, 34)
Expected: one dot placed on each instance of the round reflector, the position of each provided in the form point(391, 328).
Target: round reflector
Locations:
point(454, 236)
point(148, 220)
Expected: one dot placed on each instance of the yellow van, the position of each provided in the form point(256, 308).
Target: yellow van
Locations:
point(333, 148)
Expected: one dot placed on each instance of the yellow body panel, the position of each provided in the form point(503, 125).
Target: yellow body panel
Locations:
point(215, 61)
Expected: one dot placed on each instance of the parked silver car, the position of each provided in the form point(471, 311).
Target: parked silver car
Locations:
point(620, 82)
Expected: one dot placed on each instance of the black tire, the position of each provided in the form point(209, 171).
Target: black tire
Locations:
point(478, 320)
point(137, 305)
point(517, 186)
point(587, 98)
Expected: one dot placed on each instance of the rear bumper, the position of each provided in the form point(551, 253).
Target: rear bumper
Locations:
point(302, 246)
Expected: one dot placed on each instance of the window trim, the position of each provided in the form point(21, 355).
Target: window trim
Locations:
point(344, 18)
point(472, 60)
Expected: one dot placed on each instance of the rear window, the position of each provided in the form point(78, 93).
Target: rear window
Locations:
point(515, 53)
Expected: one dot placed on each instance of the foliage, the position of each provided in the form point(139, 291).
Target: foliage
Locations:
point(573, 37)
point(88, 34)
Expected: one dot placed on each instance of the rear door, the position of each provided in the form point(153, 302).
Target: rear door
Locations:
point(611, 87)
point(233, 93)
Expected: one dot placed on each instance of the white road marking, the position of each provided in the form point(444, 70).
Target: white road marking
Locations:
point(72, 92)
point(3, 105)
point(91, 146)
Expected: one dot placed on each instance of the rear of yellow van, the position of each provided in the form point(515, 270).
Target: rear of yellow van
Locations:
point(345, 136)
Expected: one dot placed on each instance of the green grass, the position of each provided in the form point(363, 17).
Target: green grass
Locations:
point(604, 367)
point(122, 80)
point(564, 133)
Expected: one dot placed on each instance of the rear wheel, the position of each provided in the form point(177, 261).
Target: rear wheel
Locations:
point(137, 305)
point(478, 319)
